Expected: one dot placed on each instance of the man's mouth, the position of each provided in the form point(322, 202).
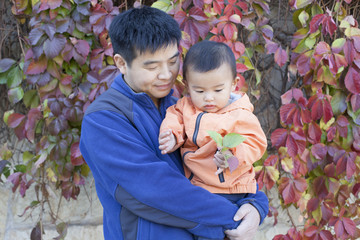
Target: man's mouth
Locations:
point(164, 86)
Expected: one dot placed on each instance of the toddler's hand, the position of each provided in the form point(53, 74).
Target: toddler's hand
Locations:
point(220, 160)
point(167, 142)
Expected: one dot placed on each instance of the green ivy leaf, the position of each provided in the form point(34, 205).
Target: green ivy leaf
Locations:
point(231, 140)
point(338, 103)
point(303, 17)
point(31, 99)
point(216, 137)
point(15, 94)
point(164, 5)
point(27, 156)
point(14, 77)
point(316, 9)
point(257, 76)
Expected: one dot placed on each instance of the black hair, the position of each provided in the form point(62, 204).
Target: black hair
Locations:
point(138, 30)
point(206, 55)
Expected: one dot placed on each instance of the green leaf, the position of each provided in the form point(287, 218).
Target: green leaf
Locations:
point(6, 116)
point(15, 94)
point(338, 43)
point(3, 77)
point(231, 140)
point(31, 99)
point(20, 168)
point(258, 76)
point(301, 47)
point(310, 42)
point(14, 77)
point(317, 214)
point(84, 170)
point(27, 156)
point(216, 137)
point(338, 103)
point(316, 9)
point(303, 17)
point(164, 5)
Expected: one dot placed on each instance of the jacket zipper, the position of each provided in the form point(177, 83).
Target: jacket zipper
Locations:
point(197, 124)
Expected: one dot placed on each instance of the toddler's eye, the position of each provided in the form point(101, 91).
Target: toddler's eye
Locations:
point(199, 91)
point(218, 90)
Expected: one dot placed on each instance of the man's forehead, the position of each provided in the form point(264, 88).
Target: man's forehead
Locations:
point(158, 56)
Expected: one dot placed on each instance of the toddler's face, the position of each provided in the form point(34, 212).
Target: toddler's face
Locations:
point(210, 91)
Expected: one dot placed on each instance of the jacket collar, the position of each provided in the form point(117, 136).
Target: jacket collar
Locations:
point(141, 98)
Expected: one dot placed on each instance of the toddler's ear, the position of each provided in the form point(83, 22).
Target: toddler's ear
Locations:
point(234, 84)
point(120, 63)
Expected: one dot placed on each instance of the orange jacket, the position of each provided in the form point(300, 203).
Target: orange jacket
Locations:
point(190, 126)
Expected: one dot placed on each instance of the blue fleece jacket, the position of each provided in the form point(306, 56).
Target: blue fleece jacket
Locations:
point(144, 194)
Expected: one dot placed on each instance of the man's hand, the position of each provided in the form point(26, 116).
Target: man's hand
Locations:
point(167, 142)
point(250, 222)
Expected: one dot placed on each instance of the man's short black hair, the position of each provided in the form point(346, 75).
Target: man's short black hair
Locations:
point(138, 30)
point(206, 55)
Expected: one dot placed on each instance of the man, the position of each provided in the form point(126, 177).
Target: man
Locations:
point(144, 193)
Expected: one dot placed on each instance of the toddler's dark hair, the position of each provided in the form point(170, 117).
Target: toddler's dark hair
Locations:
point(206, 55)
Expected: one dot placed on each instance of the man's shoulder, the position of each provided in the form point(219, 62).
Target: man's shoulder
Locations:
point(112, 100)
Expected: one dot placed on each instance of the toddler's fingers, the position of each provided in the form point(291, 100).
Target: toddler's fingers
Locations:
point(220, 170)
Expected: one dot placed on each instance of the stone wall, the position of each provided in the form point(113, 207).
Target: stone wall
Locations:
point(84, 216)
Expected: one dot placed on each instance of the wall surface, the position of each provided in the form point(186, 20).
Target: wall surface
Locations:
point(84, 216)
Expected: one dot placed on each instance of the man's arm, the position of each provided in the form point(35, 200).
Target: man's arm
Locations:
point(127, 162)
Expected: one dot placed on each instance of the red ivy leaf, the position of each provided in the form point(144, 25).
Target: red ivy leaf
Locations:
point(278, 137)
point(293, 93)
point(36, 67)
point(233, 163)
point(76, 157)
point(303, 63)
point(349, 51)
point(314, 133)
point(315, 22)
point(15, 120)
point(82, 47)
point(281, 57)
point(34, 116)
point(292, 189)
point(320, 187)
point(352, 80)
point(319, 151)
point(295, 143)
point(355, 102)
point(52, 48)
point(346, 163)
point(320, 107)
point(194, 24)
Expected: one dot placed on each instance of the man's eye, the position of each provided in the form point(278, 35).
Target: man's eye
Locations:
point(173, 62)
point(151, 68)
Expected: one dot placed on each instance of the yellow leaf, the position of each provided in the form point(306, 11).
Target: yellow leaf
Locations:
point(287, 164)
point(50, 175)
point(352, 31)
point(33, 2)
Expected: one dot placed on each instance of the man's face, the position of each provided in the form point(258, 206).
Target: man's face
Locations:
point(210, 91)
point(151, 73)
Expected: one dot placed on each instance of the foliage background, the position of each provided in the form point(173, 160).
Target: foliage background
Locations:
point(59, 60)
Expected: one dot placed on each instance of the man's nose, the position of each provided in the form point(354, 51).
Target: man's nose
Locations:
point(165, 72)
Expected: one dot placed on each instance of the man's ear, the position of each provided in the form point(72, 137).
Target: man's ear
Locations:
point(120, 63)
point(235, 83)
